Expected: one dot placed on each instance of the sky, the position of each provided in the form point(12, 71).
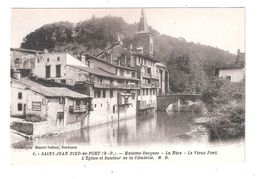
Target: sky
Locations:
point(218, 27)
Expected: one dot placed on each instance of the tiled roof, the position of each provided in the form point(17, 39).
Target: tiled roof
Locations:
point(101, 72)
point(89, 56)
point(161, 65)
point(50, 91)
point(232, 66)
point(26, 50)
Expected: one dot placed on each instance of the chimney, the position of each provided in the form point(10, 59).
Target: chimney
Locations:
point(83, 58)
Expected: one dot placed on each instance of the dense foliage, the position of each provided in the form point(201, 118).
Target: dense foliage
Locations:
point(226, 102)
point(95, 34)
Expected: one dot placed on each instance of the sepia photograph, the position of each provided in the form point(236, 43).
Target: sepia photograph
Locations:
point(128, 82)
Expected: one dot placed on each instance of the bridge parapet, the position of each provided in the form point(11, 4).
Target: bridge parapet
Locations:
point(165, 100)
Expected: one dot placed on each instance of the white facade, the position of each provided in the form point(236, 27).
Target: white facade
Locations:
point(235, 74)
point(34, 103)
point(57, 67)
point(105, 108)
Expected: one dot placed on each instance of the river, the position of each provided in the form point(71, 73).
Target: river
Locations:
point(151, 128)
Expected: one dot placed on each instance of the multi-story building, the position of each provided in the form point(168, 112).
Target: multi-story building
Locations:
point(152, 73)
point(22, 61)
point(47, 109)
point(121, 81)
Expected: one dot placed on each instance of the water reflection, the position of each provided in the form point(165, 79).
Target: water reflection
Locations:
point(157, 127)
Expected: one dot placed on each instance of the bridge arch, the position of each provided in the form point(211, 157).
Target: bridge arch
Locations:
point(164, 101)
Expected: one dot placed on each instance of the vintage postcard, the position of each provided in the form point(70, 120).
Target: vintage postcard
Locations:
point(126, 85)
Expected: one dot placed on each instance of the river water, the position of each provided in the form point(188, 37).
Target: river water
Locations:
point(151, 128)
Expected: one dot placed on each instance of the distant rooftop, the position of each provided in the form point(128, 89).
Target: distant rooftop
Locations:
point(26, 50)
point(239, 62)
point(101, 72)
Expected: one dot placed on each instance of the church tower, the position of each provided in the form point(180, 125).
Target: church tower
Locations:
point(143, 40)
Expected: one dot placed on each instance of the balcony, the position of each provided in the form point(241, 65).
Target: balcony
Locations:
point(149, 85)
point(146, 75)
point(80, 108)
point(126, 86)
point(116, 85)
point(149, 75)
point(102, 85)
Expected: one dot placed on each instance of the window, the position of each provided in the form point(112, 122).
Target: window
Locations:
point(48, 59)
point(20, 107)
point(133, 96)
point(95, 105)
point(63, 81)
point(143, 92)
point(38, 60)
point(58, 69)
point(97, 94)
point(48, 71)
point(121, 73)
point(133, 74)
point(149, 70)
point(20, 95)
point(114, 108)
point(138, 92)
point(228, 78)
point(100, 80)
point(61, 100)
point(77, 102)
point(58, 58)
point(101, 105)
point(36, 106)
point(111, 93)
point(104, 93)
point(88, 63)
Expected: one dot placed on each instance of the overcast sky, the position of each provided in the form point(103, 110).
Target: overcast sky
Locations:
point(218, 27)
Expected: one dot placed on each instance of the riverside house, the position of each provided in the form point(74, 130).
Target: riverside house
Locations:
point(41, 110)
point(235, 72)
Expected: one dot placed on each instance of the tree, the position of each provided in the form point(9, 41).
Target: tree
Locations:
point(185, 75)
point(49, 36)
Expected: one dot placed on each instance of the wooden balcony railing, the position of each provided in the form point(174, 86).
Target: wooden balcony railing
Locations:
point(80, 108)
point(149, 85)
point(116, 85)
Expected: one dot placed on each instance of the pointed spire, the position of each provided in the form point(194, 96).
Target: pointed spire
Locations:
point(119, 39)
point(143, 27)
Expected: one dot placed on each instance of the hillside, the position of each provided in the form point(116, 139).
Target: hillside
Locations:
point(95, 34)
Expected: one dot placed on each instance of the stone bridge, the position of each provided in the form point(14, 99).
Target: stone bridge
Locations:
point(164, 101)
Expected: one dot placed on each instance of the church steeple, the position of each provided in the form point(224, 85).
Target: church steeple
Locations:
point(143, 27)
point(143, 37)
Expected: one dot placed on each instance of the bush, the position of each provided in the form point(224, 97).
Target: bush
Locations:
point(26, 128)
point(34, 118)
point(226, 103)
